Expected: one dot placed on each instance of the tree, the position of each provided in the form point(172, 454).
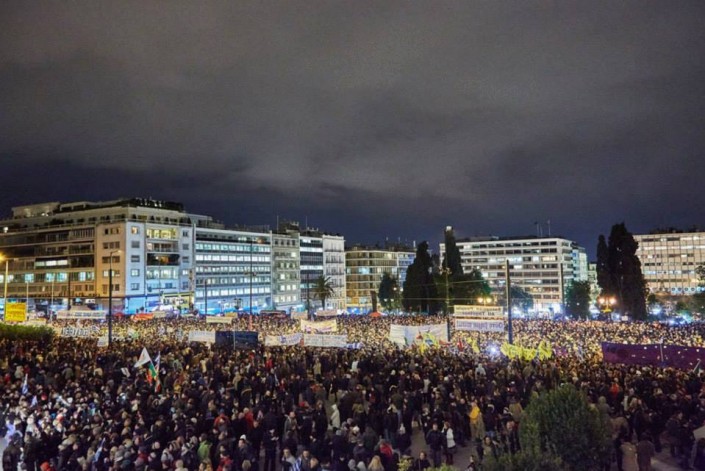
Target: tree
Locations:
point(420, 291)
point(562, 423)
point(323, 289)
point(388, 293)
point(577, 299)
point(521, 298)
point(700, 274)
point(451, 259)
point(604, 279)
point(619, 273)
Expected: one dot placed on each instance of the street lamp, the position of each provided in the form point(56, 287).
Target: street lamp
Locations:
point(607, 303)
point(110, 297)
point(484, 300)
point(252, 275)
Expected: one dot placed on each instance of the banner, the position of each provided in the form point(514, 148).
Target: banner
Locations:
point(245, 339)
point(479, 325)
point(79, 332)
point(81, 314)
point(319, 327)
point(327, 313)
point(674, 356)
point(143, 316)
point(15, 312)
point(421, 335)
point(490, 312)
point(297, 315)
point(218, 320)
point(318, 340)
point(160, 314)
point(206, 336)
point(283, 340)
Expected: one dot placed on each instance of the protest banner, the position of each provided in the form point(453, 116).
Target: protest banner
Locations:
point(81, 315)
point(319, 327)
point(205, 336)
point(15, 312)
point(479, 325)
point(218, 320)
point(319, 340)
point(283, 340)
point(427, 335)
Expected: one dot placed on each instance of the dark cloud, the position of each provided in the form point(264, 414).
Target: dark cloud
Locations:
point(375, 119)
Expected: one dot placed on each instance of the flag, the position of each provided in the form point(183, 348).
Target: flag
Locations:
point(25, 387)
point(475, 346)
point(34, 401)
point(151, 372)
point(144, 358)
point(157, 367)
point(96, 457)
point(696, 370)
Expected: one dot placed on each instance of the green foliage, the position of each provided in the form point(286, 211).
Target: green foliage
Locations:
point(577, 299)
point(700, 273)
point(323, 289)
point(388, 293)
point(697, 303)
point(420, 291)
point(622, 276)
point(604, 279)
point(525, 461)
point(562, 423)
point(451, 259)
point(26, 332)
point(466, 289)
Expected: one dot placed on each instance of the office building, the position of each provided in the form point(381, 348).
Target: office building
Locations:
point(286, 271)
point(542, 266)
point(669, 259)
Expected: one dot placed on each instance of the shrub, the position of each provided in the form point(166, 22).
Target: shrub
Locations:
point(26, 332)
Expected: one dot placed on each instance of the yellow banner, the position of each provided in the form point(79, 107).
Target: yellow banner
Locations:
point(15, 312)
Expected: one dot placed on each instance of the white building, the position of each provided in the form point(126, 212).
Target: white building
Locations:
point(61, 254)
point(542, 266)
point(669, 260)
point(286, 271)
point(233, 270)
point(334, 268)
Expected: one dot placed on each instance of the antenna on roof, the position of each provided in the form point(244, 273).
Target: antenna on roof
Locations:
point(549, 227)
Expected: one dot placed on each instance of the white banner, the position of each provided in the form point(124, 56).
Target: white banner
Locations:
point(78, 314)
point(489, 312)
point(103, 341)
point(299, 315)
point(283, 340)
point(218, 320)
point(327, 313)
point(159, 314)
point(206, 336)
point(479, 325)
point(317, 340)
point(408, 335)
point(79, 332)
point(319, 327)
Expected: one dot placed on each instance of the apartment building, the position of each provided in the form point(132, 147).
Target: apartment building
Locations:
point(364, 269)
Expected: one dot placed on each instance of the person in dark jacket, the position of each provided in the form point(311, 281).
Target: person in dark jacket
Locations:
point(435, 441)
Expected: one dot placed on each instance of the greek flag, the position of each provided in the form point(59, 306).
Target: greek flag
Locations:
point(25, 387)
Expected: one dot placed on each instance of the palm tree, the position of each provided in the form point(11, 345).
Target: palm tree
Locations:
point(323, 289)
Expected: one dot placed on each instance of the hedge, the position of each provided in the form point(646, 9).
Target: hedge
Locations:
point(26, 332)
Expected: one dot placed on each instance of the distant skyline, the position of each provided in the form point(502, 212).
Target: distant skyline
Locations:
point(373, 119)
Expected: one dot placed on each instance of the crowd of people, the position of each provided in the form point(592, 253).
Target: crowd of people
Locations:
point(70, 405)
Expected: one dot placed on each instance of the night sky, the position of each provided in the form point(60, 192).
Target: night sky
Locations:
point(372, 119)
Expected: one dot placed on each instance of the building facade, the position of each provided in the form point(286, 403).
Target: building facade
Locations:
point(668, 261)
point(364, 269)
point(542, 266)
point(334, 269)
point(233, 270)
point(286, 271)
point(60, 254)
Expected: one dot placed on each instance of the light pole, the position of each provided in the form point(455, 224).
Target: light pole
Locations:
point(446, 272)
point(252, 275)
point(7, 274)
point(110, 297)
